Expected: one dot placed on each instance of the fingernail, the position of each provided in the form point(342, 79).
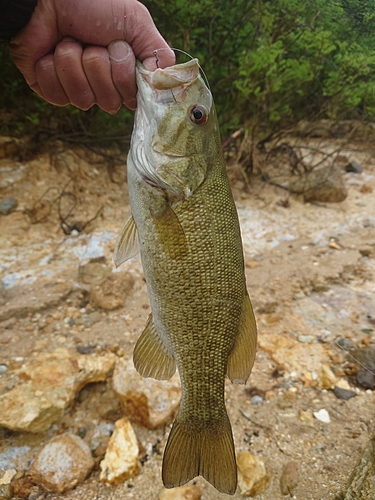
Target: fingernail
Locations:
point(119, 51)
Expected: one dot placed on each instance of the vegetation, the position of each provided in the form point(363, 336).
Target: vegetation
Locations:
point(269, 64)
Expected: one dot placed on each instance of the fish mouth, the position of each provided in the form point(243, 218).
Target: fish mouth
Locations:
point(172, 77)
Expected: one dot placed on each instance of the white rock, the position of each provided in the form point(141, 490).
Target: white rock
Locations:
point(121, 458)
point(322, 415)
point(62, 463)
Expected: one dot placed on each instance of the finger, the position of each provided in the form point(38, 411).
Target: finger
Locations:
point(145, 39)
point(49, 85)
point(69, 70)
point(123, 71)
point(97, 67)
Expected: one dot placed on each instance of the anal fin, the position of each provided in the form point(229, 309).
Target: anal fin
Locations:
point(241, 359)
point(127, 245)
point(151, 357)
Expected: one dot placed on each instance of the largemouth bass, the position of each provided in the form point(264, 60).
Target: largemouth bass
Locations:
point(185, 224)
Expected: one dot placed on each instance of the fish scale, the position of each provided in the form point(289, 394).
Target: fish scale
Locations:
point(185, 223)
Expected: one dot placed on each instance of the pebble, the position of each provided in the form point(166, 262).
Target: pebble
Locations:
point(289, 478)
point(252, 475)
point(181, 493)
point(322, 415)
point(306, 417)
point(62, 463)
point(344, 343)
point(7, 205)
point(306, 339)
point(121, 458)
point(256, 399)
point(3, 369)
point(344, 394)
point(326, 378)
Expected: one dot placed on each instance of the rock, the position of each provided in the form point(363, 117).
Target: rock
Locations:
point(322, 415)
point(62, 463)
point(354, 167)
point(293, 356)
point(253, 478)
point(306, 417)
point(344, 394)
point(49, 384)
point(366, 357)
point(6, 492)
point(121, 458)
point(326, 378)
point(366, 379)
point(324, 184)
point(8, 476)
point(111, 292)
point(3, 369)
point(361, 484)
point(256, 399)
point(181, 493)
point(365, 189)
point(289, 478)
point(7, 205)
point(147, 402)
point(93, 272)
point(22, 303)
point(23, 487)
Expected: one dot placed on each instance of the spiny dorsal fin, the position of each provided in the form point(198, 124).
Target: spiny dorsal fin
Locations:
point(127, 245)
point(208, 452)
point(241, 359)
point(151, 357)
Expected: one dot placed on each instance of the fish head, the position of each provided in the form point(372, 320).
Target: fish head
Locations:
point(176, 130)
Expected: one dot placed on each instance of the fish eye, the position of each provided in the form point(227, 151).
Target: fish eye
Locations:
point(198, 115)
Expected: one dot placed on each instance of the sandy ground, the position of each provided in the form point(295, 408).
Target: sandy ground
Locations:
point(307, 294)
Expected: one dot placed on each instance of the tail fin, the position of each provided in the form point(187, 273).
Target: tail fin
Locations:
point(208, 452)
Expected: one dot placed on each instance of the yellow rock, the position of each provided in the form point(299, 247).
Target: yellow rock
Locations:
point(252, 475)
point(121, 458)
point(326, 378)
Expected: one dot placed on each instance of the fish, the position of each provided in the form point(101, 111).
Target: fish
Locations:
point(185, 224)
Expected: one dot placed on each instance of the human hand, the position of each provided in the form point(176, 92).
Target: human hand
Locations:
point(83, 52)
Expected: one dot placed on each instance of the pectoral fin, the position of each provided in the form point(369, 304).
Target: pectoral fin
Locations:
point(151, 357)
point(241, 359)
point(171, 233)
point(127, 245)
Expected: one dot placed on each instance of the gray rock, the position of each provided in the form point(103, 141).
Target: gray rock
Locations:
point(354, 167)
point(344, 394)
point(7, 205)
point(366, 379)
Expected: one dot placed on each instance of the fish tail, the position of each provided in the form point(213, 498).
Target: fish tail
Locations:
point(208, 452)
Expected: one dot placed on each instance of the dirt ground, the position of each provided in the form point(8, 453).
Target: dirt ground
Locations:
point(310, 271)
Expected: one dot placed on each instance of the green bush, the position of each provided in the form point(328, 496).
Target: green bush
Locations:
point(269, 64)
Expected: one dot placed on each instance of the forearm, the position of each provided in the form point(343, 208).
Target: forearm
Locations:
point(14, 15)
